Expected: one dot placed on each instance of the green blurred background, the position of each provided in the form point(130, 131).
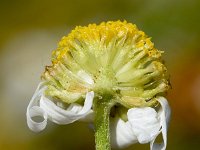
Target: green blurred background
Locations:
point(30, 30)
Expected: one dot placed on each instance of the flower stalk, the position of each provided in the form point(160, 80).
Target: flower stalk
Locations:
point(102, 132)
point(102, 107)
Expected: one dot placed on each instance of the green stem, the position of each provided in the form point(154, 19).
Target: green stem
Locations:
point(101, 122)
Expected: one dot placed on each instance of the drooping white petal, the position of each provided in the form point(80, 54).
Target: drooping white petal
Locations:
point(145, 123)
point(89, 117)
point(121, 133)
point(164, 115)
point(41, 106)
point(72, 113)
point(36, 111)
point(143, 126)
point(33, 110)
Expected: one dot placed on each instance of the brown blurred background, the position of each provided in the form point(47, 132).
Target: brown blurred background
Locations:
point(30, 30)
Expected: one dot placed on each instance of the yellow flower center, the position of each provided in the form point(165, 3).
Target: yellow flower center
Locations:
point(115, 56)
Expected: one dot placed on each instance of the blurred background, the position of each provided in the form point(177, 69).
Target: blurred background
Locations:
point(31, 29)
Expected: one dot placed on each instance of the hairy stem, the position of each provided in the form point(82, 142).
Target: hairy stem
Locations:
point(102, 131)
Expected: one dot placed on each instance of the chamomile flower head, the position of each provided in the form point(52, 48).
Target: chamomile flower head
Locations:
point(114, 58)
point(104, 73)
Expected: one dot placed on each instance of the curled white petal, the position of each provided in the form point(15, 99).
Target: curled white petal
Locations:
point(36, 111)
point(145, 123)
point(72, 113)
point(43, 107)
point(164, 115)
point(143, 126)
point(121, 134)
point(33, 110)
point(89, 117)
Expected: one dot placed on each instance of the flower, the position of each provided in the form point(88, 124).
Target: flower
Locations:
point(114, 67)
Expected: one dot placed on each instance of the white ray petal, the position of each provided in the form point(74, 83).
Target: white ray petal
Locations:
point(164, 115)
point(73, 113)
point(41, 106)
point(145, 123)
point(143, 126)
point(121, 133)
point(33, 110)
point(89, 117)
